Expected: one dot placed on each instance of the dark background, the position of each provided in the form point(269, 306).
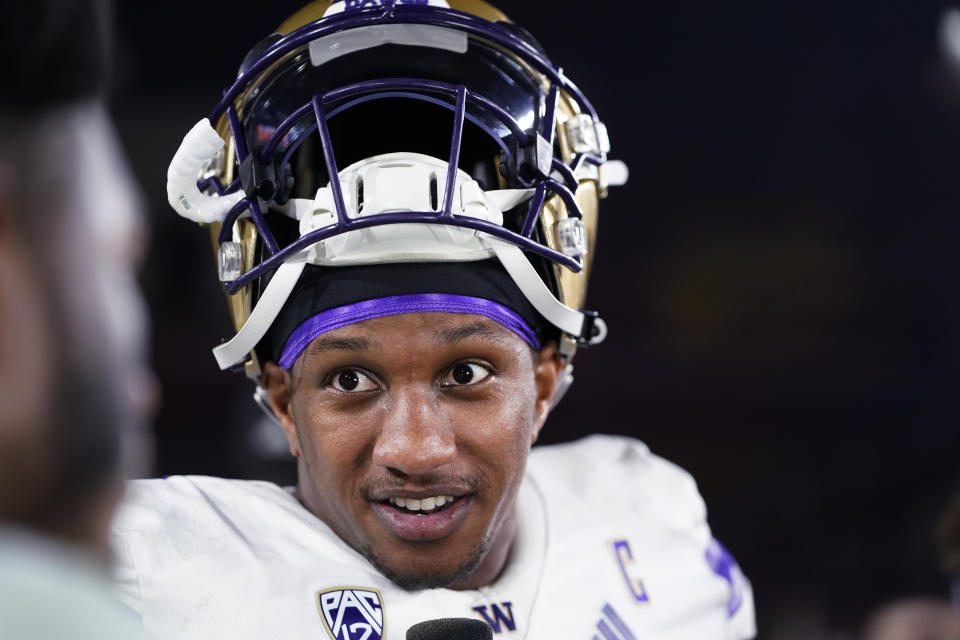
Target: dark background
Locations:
point(779, 276)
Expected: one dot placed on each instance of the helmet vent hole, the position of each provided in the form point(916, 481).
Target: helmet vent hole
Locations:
point(434, 199)
point(359, 195)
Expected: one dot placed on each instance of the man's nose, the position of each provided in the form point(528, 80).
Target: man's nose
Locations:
point(415, 435)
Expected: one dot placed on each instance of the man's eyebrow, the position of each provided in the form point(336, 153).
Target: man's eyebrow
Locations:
point(323, 344)
point(449, 336)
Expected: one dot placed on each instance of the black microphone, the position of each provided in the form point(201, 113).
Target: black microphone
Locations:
point(450, 629)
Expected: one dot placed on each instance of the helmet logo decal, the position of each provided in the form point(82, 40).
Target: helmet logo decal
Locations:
point(351, 6)
point(356, 5)
point(351, 613)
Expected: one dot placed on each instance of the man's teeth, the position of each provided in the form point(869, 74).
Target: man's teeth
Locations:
point(426, 504)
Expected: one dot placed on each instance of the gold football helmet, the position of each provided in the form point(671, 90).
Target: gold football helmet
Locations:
point(379, 131)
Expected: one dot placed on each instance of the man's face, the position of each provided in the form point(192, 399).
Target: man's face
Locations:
point(75, 381)
point(412, 433)
point(100, 241)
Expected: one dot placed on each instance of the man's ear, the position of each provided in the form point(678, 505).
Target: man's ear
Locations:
point(546, 373)
point(279, 386)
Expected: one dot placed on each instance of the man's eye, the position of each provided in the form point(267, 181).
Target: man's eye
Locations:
point(351, 380)
point(466, 373)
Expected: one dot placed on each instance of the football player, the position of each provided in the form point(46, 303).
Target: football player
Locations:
point(403, 198)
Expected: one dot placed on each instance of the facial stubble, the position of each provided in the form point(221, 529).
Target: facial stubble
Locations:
point(411, 581)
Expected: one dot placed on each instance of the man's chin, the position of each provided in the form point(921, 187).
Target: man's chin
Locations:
point(429, 577)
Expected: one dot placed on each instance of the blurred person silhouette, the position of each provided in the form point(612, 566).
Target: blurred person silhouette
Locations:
point(927, 618)
point(931, 618)
point(950, 549)
point(74, 387)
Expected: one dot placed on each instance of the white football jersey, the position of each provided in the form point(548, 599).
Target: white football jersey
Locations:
point(613, 544)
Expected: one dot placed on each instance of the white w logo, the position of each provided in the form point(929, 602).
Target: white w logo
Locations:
point(351, 614)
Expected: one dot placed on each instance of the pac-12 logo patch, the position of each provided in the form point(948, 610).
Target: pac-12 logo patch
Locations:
point(351, 613)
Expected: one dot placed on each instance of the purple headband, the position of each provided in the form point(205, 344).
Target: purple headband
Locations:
point(394, 305)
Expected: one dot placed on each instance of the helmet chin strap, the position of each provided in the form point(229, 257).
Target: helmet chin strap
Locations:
point(528, 281)
point(564, 381)
point(268, 307)
point(281, 285)
point(262, 397)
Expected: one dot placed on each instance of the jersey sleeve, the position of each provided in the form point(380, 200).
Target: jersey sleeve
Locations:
point(741, 623)
point(662, 502)
point(623, 474)
point(679, 504)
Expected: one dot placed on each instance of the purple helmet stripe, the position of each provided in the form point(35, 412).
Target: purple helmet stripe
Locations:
point(394, 305)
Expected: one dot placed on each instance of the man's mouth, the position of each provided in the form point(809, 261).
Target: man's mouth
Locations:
point(422, 506)
point(422, 519)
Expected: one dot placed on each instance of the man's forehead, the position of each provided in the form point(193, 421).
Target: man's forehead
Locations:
point(435, 327)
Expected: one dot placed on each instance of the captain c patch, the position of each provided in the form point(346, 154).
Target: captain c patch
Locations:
point(351, 613)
